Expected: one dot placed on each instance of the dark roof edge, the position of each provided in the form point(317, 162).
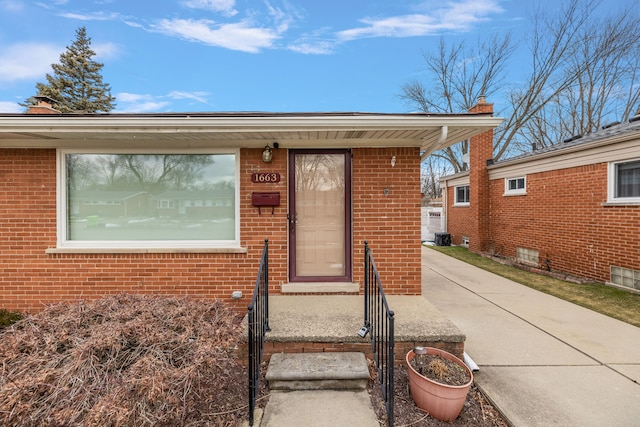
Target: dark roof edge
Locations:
point(607, 134)
point(244, 114)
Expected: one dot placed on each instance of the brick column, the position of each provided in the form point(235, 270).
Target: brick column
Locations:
point(480, 150)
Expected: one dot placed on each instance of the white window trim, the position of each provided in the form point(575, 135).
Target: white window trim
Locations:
point(455, 195)
point(136, 246)
point(518, 191)
point(611, 185)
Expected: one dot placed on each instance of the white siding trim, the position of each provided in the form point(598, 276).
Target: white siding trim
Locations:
point(565, 159)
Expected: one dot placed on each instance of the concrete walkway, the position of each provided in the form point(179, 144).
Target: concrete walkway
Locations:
point(543, 361)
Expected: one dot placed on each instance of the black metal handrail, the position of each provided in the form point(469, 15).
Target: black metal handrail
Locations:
point(379, 324)
point(258, 319)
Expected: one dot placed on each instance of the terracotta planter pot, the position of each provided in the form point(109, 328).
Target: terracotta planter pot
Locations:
point(441, 401)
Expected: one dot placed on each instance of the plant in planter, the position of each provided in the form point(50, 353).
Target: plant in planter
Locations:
point(439, 382)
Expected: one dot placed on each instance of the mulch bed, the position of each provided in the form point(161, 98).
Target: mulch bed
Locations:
point(134, 360)
point(477, 410)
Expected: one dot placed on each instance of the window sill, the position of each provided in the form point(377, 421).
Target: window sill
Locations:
point(621, 203)
point(461, 205)
point(229, 250)
point(523, 193)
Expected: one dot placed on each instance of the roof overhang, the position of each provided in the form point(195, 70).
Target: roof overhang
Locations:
point(430, 132)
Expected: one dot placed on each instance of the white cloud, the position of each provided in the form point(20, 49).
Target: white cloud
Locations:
point(313, 47)
point(196, 96)
point(28, 61)
point(469, 12)
point(133, 24)
point(282, 18)
point(138, 103)
point(52, 3)
point(458, 16)
point(106, 50)
point(145, 103)
point(225, 6)
point(132, 97)
point(10, 107)
point(12, 5)
point(236, 36)
point(25, 61)
point(95, 16)
point(397, 26)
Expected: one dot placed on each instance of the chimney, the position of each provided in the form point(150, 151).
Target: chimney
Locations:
point(44, 105)
point(480, 156)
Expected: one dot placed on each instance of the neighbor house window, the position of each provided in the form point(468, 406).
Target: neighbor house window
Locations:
point(624, 181)
point(146, 200)
point(515, 186)
point(461, 195)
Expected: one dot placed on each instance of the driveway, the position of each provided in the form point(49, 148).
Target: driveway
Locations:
point(543, 361)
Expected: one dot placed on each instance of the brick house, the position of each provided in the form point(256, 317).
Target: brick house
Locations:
point(332, 181)
point(573, 208)
point(110, 204)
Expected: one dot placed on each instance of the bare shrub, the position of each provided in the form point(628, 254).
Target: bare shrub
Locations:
point(123, 360)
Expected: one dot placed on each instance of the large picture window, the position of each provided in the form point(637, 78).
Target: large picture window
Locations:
point(142, 199)
point(624, 181)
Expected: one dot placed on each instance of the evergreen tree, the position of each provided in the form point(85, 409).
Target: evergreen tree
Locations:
point(76, 85)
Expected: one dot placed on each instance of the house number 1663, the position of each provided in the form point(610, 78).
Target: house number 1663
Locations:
point(265, 177)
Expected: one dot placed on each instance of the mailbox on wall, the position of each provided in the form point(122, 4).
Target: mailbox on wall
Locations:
point(265, 199)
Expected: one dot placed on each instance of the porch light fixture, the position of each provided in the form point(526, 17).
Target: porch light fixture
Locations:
point(267, 154)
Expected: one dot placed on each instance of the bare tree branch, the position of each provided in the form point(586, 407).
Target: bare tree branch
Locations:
point(583, 72)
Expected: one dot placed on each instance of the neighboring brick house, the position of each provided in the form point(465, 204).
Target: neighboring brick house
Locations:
point(334, 181)
point(110, 204)
point(572, 208)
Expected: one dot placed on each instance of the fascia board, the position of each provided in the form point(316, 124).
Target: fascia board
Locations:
point(613, 149)
point(111, 124)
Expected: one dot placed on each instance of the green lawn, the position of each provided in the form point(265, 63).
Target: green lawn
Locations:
point(612, 302)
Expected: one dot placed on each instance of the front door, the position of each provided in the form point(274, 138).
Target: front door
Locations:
point(319, 216)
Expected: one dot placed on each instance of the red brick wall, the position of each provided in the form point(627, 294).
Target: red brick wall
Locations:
point(400, 350)
point(563, 218)
point(480, 150)
point(458, 218)
point(32, 278)
point(390, 223)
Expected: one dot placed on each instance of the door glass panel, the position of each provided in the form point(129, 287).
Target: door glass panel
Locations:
point(320, 214)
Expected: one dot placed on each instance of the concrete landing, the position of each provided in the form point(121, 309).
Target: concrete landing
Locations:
point(330, 323)
point(317, 371)
point(338, 318)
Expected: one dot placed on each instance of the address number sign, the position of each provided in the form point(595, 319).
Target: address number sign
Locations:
point(265, 177)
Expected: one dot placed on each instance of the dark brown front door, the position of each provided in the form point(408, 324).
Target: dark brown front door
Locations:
point(319, 216)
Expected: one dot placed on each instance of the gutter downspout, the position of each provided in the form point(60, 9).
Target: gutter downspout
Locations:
point(445, 204)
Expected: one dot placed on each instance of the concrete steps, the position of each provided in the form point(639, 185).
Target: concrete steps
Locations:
point(318, 371)
point(330, 324)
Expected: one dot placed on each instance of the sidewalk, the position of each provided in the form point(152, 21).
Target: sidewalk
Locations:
point(543, 361)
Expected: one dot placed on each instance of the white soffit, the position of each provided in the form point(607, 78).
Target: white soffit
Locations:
point(301, 130)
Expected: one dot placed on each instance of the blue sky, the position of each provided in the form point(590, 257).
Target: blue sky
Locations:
point(245, 55)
